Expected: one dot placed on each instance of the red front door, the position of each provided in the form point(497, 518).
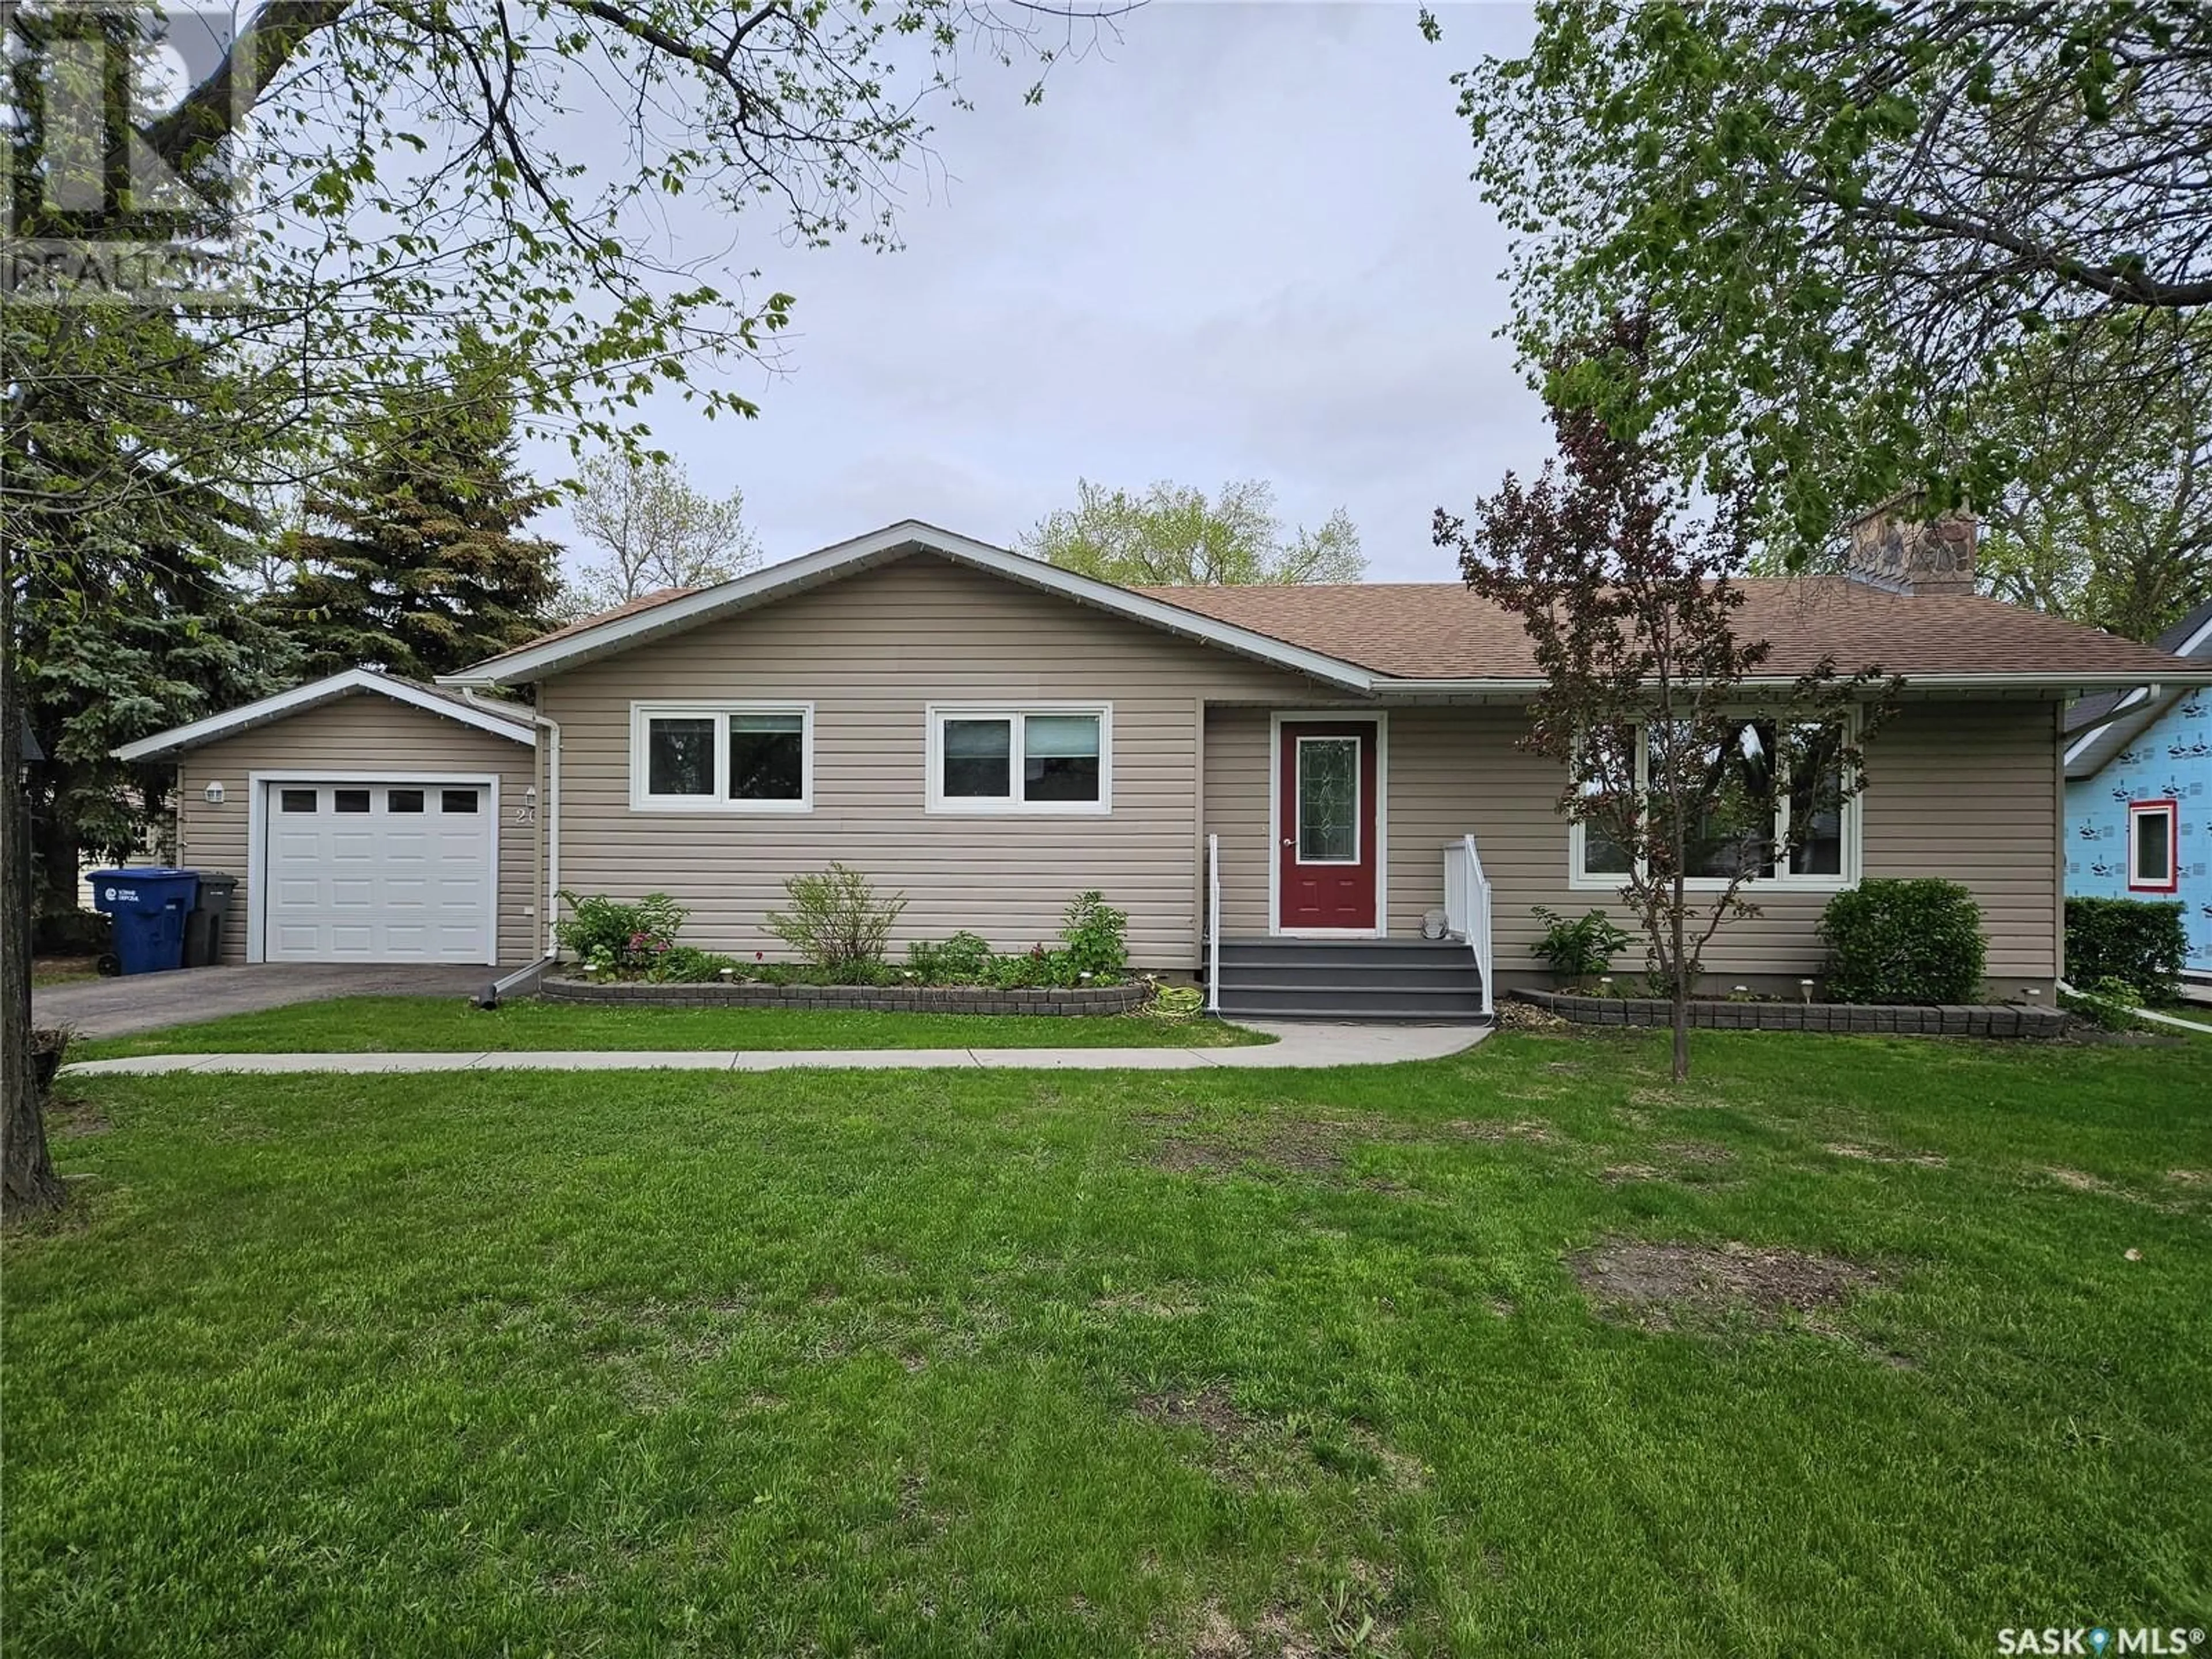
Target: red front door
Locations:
point(1326, 826)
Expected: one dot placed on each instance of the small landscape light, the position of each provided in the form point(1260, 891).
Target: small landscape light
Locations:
point(1804, 990)
point(212, 794)
point(727, 974)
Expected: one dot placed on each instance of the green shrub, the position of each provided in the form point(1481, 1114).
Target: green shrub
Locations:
point(1034, 970)
point(837, 922)
point(71, 933)
point(2108, 1002)
point(2141, 943)
point(619, 937)
point(683, 964)
point(1903, 941)
point(1093, 932)
point(1581, 949)
point(963, 959)
point(849, 973)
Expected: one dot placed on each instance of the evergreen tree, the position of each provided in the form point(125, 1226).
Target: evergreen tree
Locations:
point(123, 546)
point(412, 560)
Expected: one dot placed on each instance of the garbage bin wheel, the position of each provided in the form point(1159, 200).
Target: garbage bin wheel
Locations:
point(107, 964)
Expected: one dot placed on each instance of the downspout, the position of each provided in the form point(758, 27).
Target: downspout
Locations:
point(550, 841)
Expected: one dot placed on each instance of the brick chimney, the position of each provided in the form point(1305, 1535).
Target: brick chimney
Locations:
point(1894, 547)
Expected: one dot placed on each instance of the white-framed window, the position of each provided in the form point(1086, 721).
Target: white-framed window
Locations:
point(721, 757)
point(1042, 757)
point(2154, 856)
point(1824, 860)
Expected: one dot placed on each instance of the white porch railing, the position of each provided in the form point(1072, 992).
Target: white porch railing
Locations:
point(1213, 924)
point(1467, 906)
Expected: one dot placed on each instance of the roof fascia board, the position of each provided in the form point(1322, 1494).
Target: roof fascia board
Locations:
point(314, 693)
point(810, 570)
point(2054, 686)
point(2091, 751)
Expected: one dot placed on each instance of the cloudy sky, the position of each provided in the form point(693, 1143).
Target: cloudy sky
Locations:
point(1240, 243)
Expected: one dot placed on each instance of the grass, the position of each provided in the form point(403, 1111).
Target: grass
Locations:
point(382, 1024)
point(63, 970)
point(1195, 1363)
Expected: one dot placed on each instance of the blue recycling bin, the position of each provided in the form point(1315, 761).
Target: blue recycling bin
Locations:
point(149, 906)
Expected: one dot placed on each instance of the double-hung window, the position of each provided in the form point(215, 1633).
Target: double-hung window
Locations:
point(2154, 857)
point(721, 758)
point(1040, 758)
point(1810, 841)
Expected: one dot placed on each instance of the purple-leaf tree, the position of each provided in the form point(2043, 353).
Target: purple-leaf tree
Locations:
point(1692, 773)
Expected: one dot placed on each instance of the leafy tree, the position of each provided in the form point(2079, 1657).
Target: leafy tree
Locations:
point(412, 561)
point(411, 171)
point(1855, 226)
point(1680, 758)
point(2108, 519)
point(1174, 536)
point(657, 531)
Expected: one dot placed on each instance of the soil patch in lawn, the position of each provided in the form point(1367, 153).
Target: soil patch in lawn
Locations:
point(1527, 1129)
point(1886, 1155)
point(1661, 1285)
point(1160, 1302)
point(1312, 1146)
point(69, 1116)
point(1210, 1409)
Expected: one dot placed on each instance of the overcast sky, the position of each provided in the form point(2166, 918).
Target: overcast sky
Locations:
point(1239, 243)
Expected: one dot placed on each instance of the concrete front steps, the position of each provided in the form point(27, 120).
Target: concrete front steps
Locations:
point(1399, 980)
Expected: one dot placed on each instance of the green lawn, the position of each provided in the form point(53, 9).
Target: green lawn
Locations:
point(356, 1025)
point(63, 970)
point(1217, 1363)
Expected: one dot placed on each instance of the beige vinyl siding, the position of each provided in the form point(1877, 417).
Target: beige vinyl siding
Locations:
point(870, 651)
point(1967, 791)
point(364, 733)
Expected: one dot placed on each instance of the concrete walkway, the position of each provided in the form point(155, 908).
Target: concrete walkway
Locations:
point(1296, 1045)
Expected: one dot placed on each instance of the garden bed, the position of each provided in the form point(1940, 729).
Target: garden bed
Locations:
point(1961, 1020)
point(875, 998)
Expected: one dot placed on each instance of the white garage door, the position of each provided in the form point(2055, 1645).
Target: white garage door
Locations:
point(398, 871)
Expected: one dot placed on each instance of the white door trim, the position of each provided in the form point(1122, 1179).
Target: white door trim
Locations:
point(257, 842)
point(1380, 720)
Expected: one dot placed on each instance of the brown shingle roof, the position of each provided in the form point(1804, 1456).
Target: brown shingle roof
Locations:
point(642, 602)
point(1439, 630)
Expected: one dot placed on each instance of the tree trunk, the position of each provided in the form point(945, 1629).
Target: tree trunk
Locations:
point(1682, 987)
point(27, 1181)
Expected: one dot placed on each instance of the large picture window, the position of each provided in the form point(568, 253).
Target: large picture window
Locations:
point(2153, 860)
point(721, 758)
point(1055, 757)
point(1811, 806)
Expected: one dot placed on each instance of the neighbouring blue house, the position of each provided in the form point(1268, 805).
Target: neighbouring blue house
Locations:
point(2139, 793)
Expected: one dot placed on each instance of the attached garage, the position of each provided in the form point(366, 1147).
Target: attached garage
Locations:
point(399, 867)
point(368, 819)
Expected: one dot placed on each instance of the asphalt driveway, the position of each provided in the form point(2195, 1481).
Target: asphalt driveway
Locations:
point(147, 1002)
